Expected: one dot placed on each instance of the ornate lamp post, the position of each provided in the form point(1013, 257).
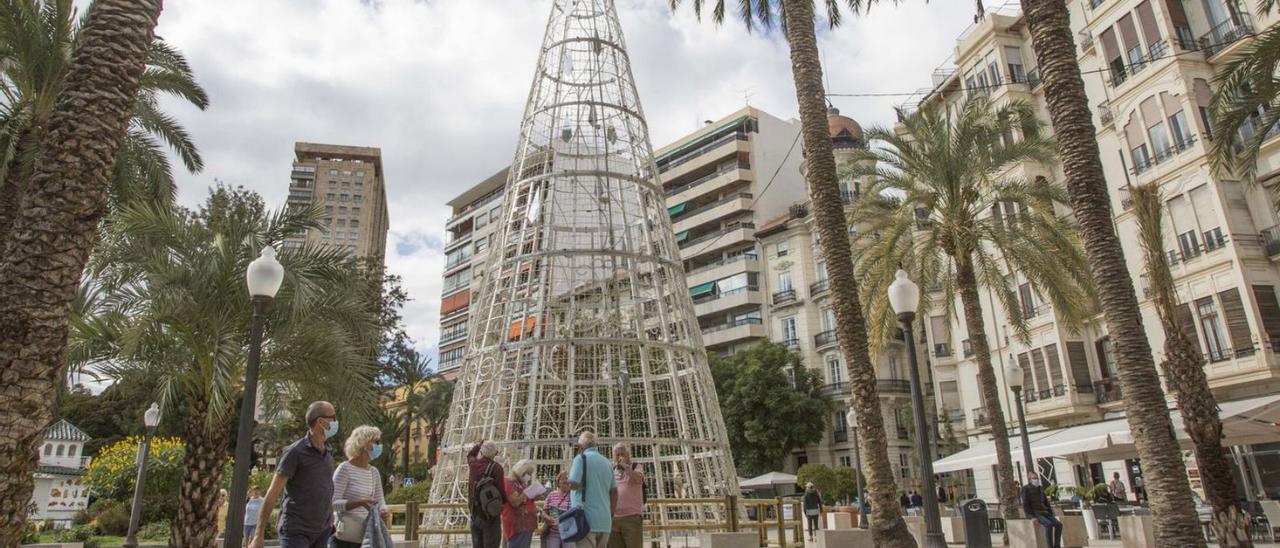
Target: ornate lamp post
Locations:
point(264, 277)
point(1013, 377)
point(904, 297)
point(852, 419)
point(149, 419)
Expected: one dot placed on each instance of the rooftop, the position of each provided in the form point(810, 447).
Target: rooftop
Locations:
point(65, 431)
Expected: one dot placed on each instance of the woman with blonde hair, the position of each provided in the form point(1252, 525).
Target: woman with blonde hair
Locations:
point(357, 487)
point(519, 514)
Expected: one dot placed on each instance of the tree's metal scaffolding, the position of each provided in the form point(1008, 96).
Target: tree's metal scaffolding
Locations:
point(583, 318)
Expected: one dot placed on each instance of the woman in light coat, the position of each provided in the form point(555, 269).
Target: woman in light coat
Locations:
point(357, 487)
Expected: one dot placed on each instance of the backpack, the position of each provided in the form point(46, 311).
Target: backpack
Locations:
point(488, 501)
point(573, 523)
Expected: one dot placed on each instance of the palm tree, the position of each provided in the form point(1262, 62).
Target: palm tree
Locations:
point(1184, 369)
point(52, 236)
point(177, 309)
point(37, 38)
point(1243, 113)
point(798, 23)
point(1174, 515)
point(433, 411)
point(411, 375)
point(933, 209)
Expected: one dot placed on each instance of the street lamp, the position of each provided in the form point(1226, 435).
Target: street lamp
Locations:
point(904, 297)
point(149, 419)
point(852, 419)
point(1013, 377)
point(264, 276)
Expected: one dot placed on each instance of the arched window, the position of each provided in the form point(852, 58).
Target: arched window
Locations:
point(72, 449)
point(61, 449)
point(48, 449)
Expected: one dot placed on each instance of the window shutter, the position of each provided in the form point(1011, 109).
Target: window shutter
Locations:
point(1270, 309)
point(1028, 378)
point(1237, 322)
point(1037, 359)
point(1079, 366)
point(1054, 364)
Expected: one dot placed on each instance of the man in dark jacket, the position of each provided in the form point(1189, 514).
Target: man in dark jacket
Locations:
point(812, 507)
point(486, 531)
point(1036, 505)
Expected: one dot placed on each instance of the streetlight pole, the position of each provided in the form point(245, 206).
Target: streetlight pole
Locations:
point(1013, 377)
point(852, 419)
point(264, 277)
point(904, 297)
point(149, 419)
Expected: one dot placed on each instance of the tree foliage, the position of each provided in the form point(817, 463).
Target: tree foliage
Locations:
point(836, 483)
point(771, 404)
point(1243, 107)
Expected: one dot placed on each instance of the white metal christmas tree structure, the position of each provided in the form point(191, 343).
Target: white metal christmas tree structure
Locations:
point(583, 319)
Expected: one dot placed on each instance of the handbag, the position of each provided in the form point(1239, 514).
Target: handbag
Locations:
point(573, 523)
point(350, 527)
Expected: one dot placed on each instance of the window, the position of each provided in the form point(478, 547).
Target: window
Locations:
point(1214, 339)
point(72, 449)
point(355, 223)
point(328, 210)
point(330, 196)
point(835, 371)
point(789, 330)
point(1027, 300)
point(828, 319)
point(359, 174)
point(333, 173)
point(342, 210)
point(822, 270)
point(48, 449)
point(1107, 356)
point(840, 423)
point(1206, 119)
point(359, 185)
point(1013, 58)
point(346, 184)
point(782, 248)
point(1189, 244)
point(358, 198)
point(993, 67)
point(61, 449)
point(344, 197)
point(346, 173)
point(494, 214)
point(1141, 158)
point(784, 281)
point(1213, 239)
point(340, 235)
point(846, 461)
point(355, 211)
point(1159, 139)
point(342, 222)
point(481, 244)
point(354, 235)
point(1181, 131)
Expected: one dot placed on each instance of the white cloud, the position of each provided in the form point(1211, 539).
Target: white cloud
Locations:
point(440, 85)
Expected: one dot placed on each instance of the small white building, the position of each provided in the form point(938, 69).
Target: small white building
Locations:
point(59, 489)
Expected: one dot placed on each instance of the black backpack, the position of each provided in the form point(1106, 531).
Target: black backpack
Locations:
point(488, 501)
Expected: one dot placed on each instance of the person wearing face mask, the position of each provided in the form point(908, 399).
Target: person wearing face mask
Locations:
point(357, 487)
point(1036, 505)
point(519, 514)
point(304, 476)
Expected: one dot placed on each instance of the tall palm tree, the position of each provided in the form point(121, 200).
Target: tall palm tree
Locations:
point(1243, 105)
point(1174, 515)
point(433, 411)
point(929, 210)
point(1184, 368)
point(52, 236)
point(411, 375)
point(798, 22)
point(177, 310)
point(37, 38)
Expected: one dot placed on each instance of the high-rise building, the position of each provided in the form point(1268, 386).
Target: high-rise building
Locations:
point(348, 182)
point(1148, 68)
point(469, 233)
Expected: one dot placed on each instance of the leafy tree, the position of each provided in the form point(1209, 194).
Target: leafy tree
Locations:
point(113, 473)
point(799, 22)
point(1244, 116)
point(52, 234)
point(177, 310)
point(771, 405)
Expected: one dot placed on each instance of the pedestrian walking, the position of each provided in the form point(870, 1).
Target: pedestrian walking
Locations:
point(591, 469)
point(519, 514)
point(943, 496)
point(357, 487)
point(917, 501)
point(1116, 488)
point(220, 511)
point(557, 503)
point(486, 495)
point(628, 515)
point(812, 507)
point(304, 476)
point(251, 509)
point(1036, 505)
point(904, 500)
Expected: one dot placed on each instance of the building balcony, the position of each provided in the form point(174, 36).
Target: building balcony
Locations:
point(728, 300)
point(834, 389)
point(713, 151)
point(1060, 402)
point(942, 350)
point(786, 296)
point(824, 339)
point(722, 268)
point(980, 418)
point(470, 208)
point(296, 195)
point(1270, 239)
point(818, 287)
point(1226, 33)
point(792, 344)
point(450, 335)
point(737, 175)
point(893, 386)
point(1107, 390)
point(840, 436)
point(1161, 156)
point(733, 234)
point(730, 205)
point(739, 330)
point(954, 416)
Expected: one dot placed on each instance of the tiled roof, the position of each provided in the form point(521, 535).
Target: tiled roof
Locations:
point(65, 431)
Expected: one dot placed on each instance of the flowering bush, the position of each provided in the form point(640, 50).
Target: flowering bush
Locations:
point(113, 472)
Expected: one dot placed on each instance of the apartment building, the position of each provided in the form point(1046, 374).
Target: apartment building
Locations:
point(347, 181)
point(1148, 66)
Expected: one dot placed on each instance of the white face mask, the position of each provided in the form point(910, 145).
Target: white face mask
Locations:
point(1035, 482)
point(528, 478)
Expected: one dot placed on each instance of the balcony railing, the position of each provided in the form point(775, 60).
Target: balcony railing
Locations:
point(840, 436)
point(714, 235)
point(893, 386)
point(903, 433)
point(1107, 390)
point(954, 415)
point(980, 418)
point(475, 205)
point(1104, 114)
point(1033, 78)
point(722, 262)
point(1218, 355)
point(702, 299)
point(691, 212)
point(1226, 32)
point(792, 344)
point(942, 350)
point(450, 335)
point(1179, 146)
point(834, 388)
point(1271, 240)
point(824, 338)
point(785, 296)
point(966, 347)
point(730, 325)
point(690, 155)
point(819, 286)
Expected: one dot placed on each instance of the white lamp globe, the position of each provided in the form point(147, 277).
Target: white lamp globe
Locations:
point(904, 294)
point(1013, 376)
point(265, 274)
point(851, 418)
point(152, 417)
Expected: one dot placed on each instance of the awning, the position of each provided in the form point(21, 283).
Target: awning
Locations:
point(702, 289)
point(682, 236)
point(677, 209)
point(1248, 421)
point(768, 481)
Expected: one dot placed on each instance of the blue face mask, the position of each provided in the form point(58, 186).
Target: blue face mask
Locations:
point(376, 452)
point(332, 430)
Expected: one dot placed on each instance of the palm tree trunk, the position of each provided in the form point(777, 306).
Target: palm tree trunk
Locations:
point(196, 524)
point(1174, 517)
point(976, 325)
point(1184, 367)
point(887, 526)
point(433, 441)
point(54, 233)
point(14, 184)
point(404, 453)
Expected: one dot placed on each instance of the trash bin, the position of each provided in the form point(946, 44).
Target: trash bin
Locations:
point(977, 531)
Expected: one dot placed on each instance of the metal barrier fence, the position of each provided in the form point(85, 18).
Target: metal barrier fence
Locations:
point(667, 522)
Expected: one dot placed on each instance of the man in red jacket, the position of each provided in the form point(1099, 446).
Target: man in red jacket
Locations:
point(486, 532)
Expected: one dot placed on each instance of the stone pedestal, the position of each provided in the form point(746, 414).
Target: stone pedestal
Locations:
point(953, 529)
point(1074, 533)
point(845, 538)
point(915, 524)
point(1137, 532)
point(729, 540)
point(1025, 533)
point(839, 520)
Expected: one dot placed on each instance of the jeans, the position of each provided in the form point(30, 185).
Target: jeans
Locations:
point(520, 540)
point(1052, 528)
point(306, 540)
point(813, 523)
point(249, 530)
point(486, 535)
point(344, 544)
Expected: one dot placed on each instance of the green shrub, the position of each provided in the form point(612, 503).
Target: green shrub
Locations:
point(80, 533)
point(113, 520)
point(156, 530)
point(30, 535)
point(114, 471)
point(81, 517)
point(418, 492)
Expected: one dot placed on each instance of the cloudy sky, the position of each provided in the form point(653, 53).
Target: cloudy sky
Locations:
point(440, 85)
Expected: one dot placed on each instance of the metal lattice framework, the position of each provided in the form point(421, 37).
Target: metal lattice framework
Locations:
point(583, 319)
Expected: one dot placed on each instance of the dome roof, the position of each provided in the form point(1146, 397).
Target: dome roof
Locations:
point(842, 126)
